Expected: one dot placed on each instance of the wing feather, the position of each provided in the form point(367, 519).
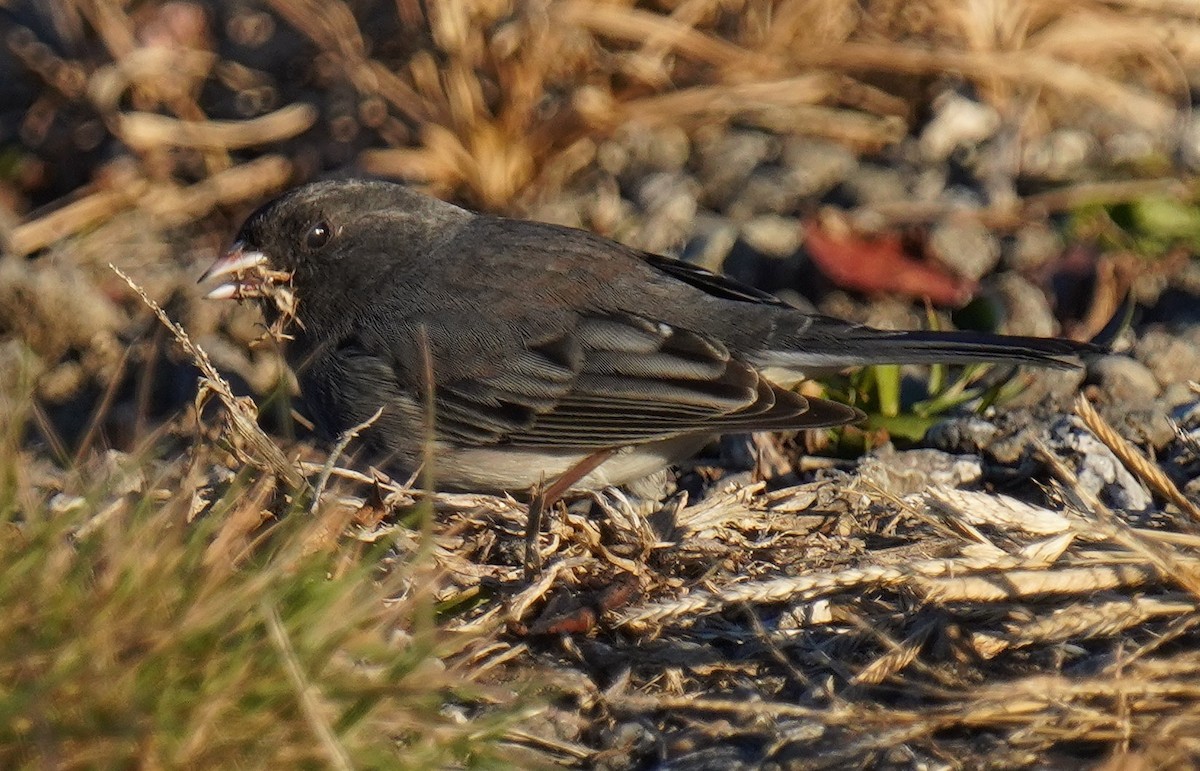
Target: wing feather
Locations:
point(617, 380)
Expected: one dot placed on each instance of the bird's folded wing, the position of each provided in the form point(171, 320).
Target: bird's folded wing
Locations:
point(617, 380)
point(714, 284)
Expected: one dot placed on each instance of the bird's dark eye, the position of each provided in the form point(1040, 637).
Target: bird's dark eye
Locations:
point(318, 235)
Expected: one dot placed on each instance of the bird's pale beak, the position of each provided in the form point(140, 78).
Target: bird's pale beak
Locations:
point(243, 270)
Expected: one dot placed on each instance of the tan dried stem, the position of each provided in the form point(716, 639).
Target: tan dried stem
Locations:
point(1134, 460)
point(243, 415)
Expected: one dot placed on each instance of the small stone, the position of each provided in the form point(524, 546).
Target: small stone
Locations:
point(1172, 359)
point(957, 122)
point(961, 435)
point(669, 203)
point(1011, 448)
point(913, 471)
point(727, 160)
point(966, 246)
point(1053, 387)
point(1123, 379)
point(814, 166)
point(1177, 394)
point(1098, 470)
point(767, 191)
point(870, 184)
point(713, 236)
point(1131, 147)
point(637, 150)
point(1027, 310)
point(1035, 245)
point(773, 235)
point(930, 183)
point(1059, 156)
point(1148, 426)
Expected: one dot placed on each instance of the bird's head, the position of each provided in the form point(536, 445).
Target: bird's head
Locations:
point(324, 244)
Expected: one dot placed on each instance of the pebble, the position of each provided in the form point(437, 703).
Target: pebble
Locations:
point(767, 190)
point(966, 246)
point(1060, 156)
point(930, 183)
point(1177, 394)
point(1146, 426)
point(727, 159)
point(1171, 359)
point(815, 166)
point(969, 434)
point(1123, 380)
point(1034, 246)
point(637, 150)
point(1027, 312)
point(1098, 470)
point(958, 122)
point(668, 203)
point(772, 235)
point(712, 238)
point(869, 184)
point(1131, 147)
point(1049, 387)
point(914, 471)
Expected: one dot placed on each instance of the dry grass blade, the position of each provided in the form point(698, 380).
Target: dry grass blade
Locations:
point(1134, 460)
point(305, 693)
point(148, 131)
point(1009, 585)
point(1080, 621)
point(808, 587)
point(241, 411)
point(897, 659)
point(171, 205)
point(636, 25)
point(72, 218)
point(1168, 561)
point(1001, 511)
point(335, 454)
point(1024, 67)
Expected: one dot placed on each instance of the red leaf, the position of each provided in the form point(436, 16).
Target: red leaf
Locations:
point(880, 265)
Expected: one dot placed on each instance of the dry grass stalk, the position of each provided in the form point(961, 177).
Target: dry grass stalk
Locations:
point(1024, 68)
point(896, 660)
point(316, 712)
point(147, 131)
point(170, 204)
point(70, 219)
point(811, 586)
point(242, 414)
point(1000, 511)
point(335, 455)
point(1134, 460)
point(1169, 562)
point(1010, 585)
point(1080, 621)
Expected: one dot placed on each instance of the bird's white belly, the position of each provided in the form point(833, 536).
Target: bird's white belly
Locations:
point(516, 470)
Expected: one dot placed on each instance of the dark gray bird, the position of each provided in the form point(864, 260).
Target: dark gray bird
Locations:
point(544, 345)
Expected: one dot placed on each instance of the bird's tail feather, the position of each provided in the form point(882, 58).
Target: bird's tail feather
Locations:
point(858, 346)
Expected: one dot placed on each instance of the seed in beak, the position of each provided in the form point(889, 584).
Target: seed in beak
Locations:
point(234, 263)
